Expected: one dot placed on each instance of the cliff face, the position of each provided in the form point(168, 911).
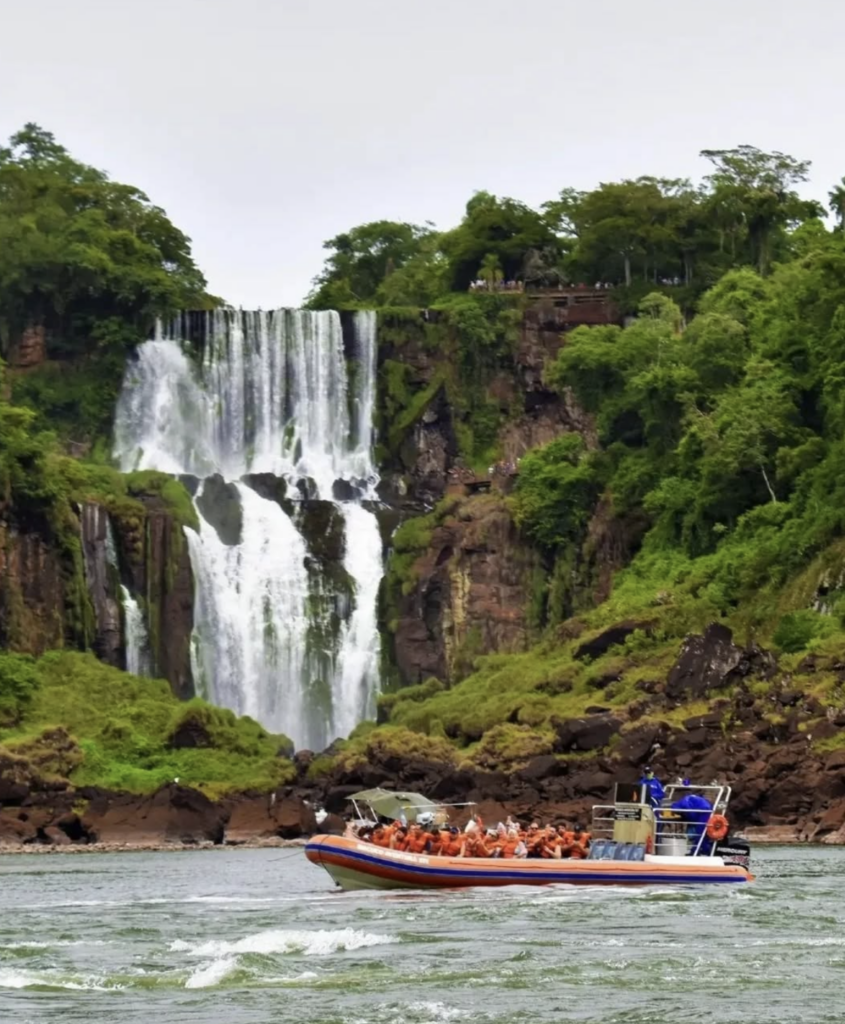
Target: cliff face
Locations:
point(61, 587)
point(102, 580)
point(32, 590)
point(421, 446)
point(153, 555)
point(468, 593)
point(472, 579)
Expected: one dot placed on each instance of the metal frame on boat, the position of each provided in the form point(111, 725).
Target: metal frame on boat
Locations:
point(634, 843)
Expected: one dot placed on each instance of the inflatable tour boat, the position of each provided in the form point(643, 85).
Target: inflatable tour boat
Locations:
point(633, 843)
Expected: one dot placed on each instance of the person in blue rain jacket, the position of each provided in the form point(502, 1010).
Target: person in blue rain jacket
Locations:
point(655, 787)
point(695, 810)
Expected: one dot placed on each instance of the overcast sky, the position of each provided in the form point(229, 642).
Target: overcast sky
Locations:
point(264, 127)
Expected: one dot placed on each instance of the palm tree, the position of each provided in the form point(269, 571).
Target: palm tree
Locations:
point(837, 203)
point(491, 271)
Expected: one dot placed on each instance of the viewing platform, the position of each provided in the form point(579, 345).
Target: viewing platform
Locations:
point(578, 304)
point(574, 304)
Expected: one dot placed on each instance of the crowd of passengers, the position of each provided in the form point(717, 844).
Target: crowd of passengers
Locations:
point(508, 839)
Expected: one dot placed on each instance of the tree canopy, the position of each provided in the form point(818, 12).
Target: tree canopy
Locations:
point(635, 234)
point(87, 257)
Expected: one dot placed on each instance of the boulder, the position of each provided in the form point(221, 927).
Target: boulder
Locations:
point(342, 490)
point(542, 767)
point(220, 506)
point(636, 745)
point(712, 660)
point(12, 793)
point(831, 827)
point(585, 733)
point(55, 836)
point(269, 815)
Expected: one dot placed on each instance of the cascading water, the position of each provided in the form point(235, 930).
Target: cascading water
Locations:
point(138, 660)
point(285, 629)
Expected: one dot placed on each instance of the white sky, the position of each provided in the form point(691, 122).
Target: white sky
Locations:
point(264, 127)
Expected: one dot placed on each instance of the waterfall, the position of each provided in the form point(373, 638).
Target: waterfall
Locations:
point(287, 560)
point(138, 660)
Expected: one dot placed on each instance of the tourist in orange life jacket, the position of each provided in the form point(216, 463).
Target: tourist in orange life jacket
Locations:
point(399, 839)
point(380, 837)
point(476, 845)
point(418, 839)
point(544, 845)
point(507, 846)
point(435, 843)
point(452, 843)
point(580, 847)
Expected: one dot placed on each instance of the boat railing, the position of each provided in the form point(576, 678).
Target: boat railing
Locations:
point(603, 820)
point(676, 832)
point(684, 832)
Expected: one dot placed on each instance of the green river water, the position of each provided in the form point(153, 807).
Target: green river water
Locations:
point(261, 936)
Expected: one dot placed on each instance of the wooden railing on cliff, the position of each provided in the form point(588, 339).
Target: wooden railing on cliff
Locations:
point(574, 304)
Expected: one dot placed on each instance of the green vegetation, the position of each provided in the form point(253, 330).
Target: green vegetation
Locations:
point(715, 485)
point(86, 264)
point(122, 729)
point(85, 257)
point(635, 234)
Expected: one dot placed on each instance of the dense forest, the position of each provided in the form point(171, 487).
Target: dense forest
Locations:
point(718, 412)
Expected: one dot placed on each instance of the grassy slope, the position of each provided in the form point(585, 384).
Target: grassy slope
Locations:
point(504, 712)
point(122, 725)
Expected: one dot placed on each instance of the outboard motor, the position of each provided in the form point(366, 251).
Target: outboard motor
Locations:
point(734, 851)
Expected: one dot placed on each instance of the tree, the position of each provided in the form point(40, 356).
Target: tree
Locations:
point(490, 271)
point(362, 259)
point(502, 229)
point(753, 193)
point(78, 250)
point(836, 197)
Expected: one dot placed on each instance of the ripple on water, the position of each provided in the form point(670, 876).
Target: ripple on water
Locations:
point(234, 937)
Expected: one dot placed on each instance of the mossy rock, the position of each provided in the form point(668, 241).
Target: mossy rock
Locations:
point(323, 527)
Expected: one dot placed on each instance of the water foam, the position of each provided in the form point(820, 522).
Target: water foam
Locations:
point(11, 978)
point(211, 974)
point(282, 940)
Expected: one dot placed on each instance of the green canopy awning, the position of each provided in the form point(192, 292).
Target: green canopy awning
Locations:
point(391, 804)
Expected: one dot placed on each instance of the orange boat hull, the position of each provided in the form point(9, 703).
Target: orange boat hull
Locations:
point(358, 865)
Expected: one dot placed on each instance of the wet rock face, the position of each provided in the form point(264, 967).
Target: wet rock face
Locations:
point(271, 815)
point(535, 415)
point(32, 591)
point(711, 661)
point(323, 528)
point(273, 488)
point(220, 506)
point(101, 576)
point(172, 814)
point(470, 593)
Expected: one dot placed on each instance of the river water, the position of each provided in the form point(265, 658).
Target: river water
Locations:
point(261, 936)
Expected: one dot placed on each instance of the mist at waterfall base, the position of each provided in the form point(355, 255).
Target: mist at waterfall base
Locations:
point(273, 416)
